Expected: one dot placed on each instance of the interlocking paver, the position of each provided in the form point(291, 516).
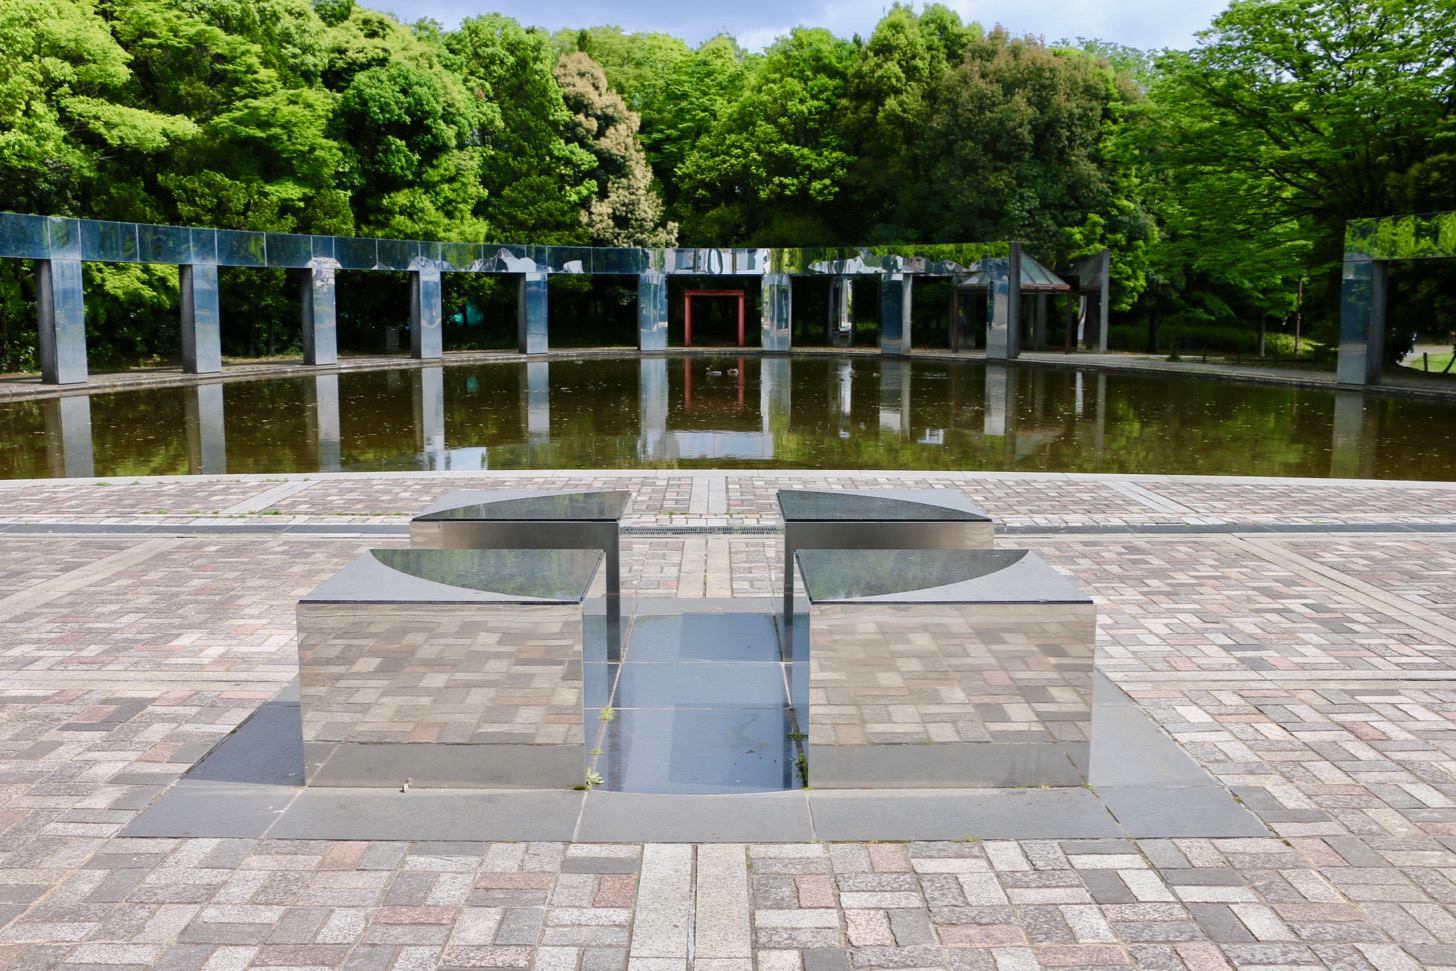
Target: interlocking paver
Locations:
point(139, 655)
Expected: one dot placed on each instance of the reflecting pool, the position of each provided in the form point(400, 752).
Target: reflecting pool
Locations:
point(808, 412)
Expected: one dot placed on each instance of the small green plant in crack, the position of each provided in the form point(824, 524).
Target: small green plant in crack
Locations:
point(595, 751)
point(593, 780)
point(797, 736)
point(606, 714)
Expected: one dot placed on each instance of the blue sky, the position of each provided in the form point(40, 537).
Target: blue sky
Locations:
point(1136, 23)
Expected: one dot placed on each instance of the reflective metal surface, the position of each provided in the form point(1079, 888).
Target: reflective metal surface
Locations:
point(533, 520)
point(894, 519)
point(453, 668)
point(61, 308)
point(533, 320)
point(320, 319)
point(426, 313)
point(983, 679)
point(201, 319)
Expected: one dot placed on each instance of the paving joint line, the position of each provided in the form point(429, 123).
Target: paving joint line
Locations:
point(83, 576)
point(1423, 618)
point(267, 497)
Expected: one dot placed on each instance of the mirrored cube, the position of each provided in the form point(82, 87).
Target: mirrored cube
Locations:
point(877, 519)
point(946, 668)
point(532, 519)
point(454, 668)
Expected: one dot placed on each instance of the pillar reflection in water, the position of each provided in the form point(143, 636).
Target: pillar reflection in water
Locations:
point(844, 398)
point(428, 391)
point(775, 398)
point(1099, 431)
point(206, 435)
point(998, 401)
point(68, 434)
point(323, 416)
point(1352, 450)
point(652, 398)
point(895, 397)
point(538, 403)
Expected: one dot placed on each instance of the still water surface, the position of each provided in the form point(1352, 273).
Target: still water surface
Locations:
point(807, 412)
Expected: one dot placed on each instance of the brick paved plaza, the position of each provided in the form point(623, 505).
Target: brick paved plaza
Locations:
point(1295, 638)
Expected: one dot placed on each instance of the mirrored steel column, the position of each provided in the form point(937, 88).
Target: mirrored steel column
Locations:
point(201, 319)
point(895, 313)
point(320, 323)
point(1003, 306)
point(61, 307)
point(652, 311)
point(1104, 299)
point(427, 310)
point(68, 430)
point(1362, 322)
point(531, 309)
point(206, 429)
point(776, 311)
point(841, 311)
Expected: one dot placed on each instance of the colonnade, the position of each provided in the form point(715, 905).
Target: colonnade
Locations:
point(59, 247)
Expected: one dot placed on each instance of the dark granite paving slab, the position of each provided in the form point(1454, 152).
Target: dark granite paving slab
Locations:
point(1203, 811)
point(768, 817)
point(960, 815)
point(372, 814)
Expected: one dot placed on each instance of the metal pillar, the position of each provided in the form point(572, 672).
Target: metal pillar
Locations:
point(841, 311)
point(61, 306)
point(531, 308)
point(201, 319)
point(895, 290)
point(427, 314)
point(1104, 299)
point(320, 330)
point(1003, 307)
point(1362, 322)
point(652, 311)
point(776, 304)
point(206, 429)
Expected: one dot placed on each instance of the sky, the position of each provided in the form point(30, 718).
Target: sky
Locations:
point(1145, 24)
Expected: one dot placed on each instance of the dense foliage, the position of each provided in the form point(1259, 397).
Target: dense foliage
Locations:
point(1220, 177)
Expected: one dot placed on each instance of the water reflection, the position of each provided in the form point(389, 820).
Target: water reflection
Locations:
point(824, 412)
point(68, 432)
point(206, 429)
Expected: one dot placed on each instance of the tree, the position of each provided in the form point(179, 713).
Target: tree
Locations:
point(625, 211)
point(1017, 146)
point(893, 81)
point(64, 105)
point(1291, 118)
point(536, 182)
point(774, 166)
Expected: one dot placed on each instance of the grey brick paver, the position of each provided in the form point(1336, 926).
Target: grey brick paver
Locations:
point(130, 658)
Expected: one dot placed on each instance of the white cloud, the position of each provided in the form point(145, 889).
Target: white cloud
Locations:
point(1137, 23)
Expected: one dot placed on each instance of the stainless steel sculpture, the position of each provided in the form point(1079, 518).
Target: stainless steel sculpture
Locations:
point(453, 668)
point(946, 668)
point(877, 519)
point(532, 519)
